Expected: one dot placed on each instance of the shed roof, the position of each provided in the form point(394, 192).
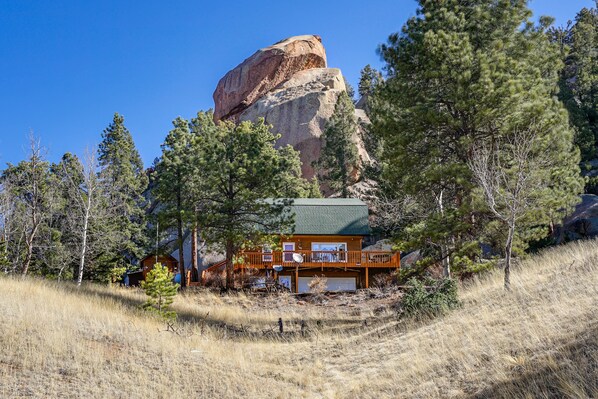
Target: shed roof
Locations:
point(330, 216)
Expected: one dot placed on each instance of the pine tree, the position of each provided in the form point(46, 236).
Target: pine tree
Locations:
point(161, 290)
point(125, 181)
point(84, 214)
point(68, 175)
point(291, 182)
point(368, 80)
point(174, 177)
point(238, 169)
point(313, 189)
point(350, 90)
point(579, 78)
point(460, 72)
point(339, 159)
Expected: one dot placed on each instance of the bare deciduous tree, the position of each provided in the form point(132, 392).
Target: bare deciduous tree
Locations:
point(87, 197)
point(510, 174)
point(6, 213)
point(393, 213)
point(33, 189)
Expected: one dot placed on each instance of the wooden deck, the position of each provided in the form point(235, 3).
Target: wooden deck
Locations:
point(322, 259)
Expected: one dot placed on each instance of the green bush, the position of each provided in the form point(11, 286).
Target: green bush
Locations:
point(429, 297)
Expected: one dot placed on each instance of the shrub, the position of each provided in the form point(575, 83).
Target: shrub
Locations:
point(384, 280)
point(318, 285)
point(4, 262)
point(247, 278)
point(214, 279)
point(429, 298)
point(116, 274)
point(160, 288)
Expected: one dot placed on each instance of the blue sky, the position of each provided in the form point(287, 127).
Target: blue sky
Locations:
point(67, 66)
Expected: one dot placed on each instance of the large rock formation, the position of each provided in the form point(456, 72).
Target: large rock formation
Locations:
point(288, 85)
point(265, 70)
point(299, 108)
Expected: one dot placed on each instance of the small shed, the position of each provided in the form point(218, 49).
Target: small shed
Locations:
point(133, 279)
point(149, 261)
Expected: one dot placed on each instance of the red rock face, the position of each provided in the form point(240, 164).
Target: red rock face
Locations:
point(265, 70)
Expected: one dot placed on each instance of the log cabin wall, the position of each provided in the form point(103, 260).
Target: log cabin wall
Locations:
point(149, 261)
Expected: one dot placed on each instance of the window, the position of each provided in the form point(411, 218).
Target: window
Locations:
point(267, 253)
point(329, 251)
point(288, 249)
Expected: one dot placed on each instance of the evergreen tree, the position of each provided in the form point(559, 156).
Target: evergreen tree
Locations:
point(82, 220)
point(67, 174)
point(313, 189)
point(238, 169)
point(125, 181)
point(174, 176)
point(292, 184)
point(579, 78)
point(460, 72)
point(32, 190)
point(350, 90)
point(161, 290)
point(368, 80)
point(339, 158)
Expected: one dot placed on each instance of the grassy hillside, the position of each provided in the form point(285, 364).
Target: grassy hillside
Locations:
point(541, 340)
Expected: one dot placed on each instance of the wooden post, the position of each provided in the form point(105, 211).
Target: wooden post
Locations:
point(297, 279)
point(367, 277)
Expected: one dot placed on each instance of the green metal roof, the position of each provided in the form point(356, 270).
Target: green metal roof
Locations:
point(330, 216)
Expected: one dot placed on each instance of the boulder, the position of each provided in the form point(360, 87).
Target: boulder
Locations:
point(583, 222)
point(299, 109)
point(263, 71)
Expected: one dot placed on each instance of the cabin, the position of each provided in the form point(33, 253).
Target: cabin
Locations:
point(149, 261)
point(327, 241)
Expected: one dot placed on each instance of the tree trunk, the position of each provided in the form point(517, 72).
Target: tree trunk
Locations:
point(181, 250)
point(27, 260)
point(194, 251)
point(230, 267)
point(444, 251)
point(446, 261)
point(29, 244)
point(84, 240)
point(181, 241)
point(508, 252)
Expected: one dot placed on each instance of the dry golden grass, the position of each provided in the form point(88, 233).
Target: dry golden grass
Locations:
point(541, 340)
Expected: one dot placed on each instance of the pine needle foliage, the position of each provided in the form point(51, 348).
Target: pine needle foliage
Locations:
point(429, 297)
point(460, 73)
point(339, 158)
point(123, 175)
point(161, 290)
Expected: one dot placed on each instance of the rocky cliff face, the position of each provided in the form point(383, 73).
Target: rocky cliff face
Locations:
point(289, 85)
point(299, 108)
point(265, 70)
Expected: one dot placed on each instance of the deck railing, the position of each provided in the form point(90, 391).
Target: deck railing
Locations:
point(322, 259)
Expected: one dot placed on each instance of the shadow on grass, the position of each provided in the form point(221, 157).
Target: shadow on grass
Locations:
point(569, 371)
point(293, 329)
